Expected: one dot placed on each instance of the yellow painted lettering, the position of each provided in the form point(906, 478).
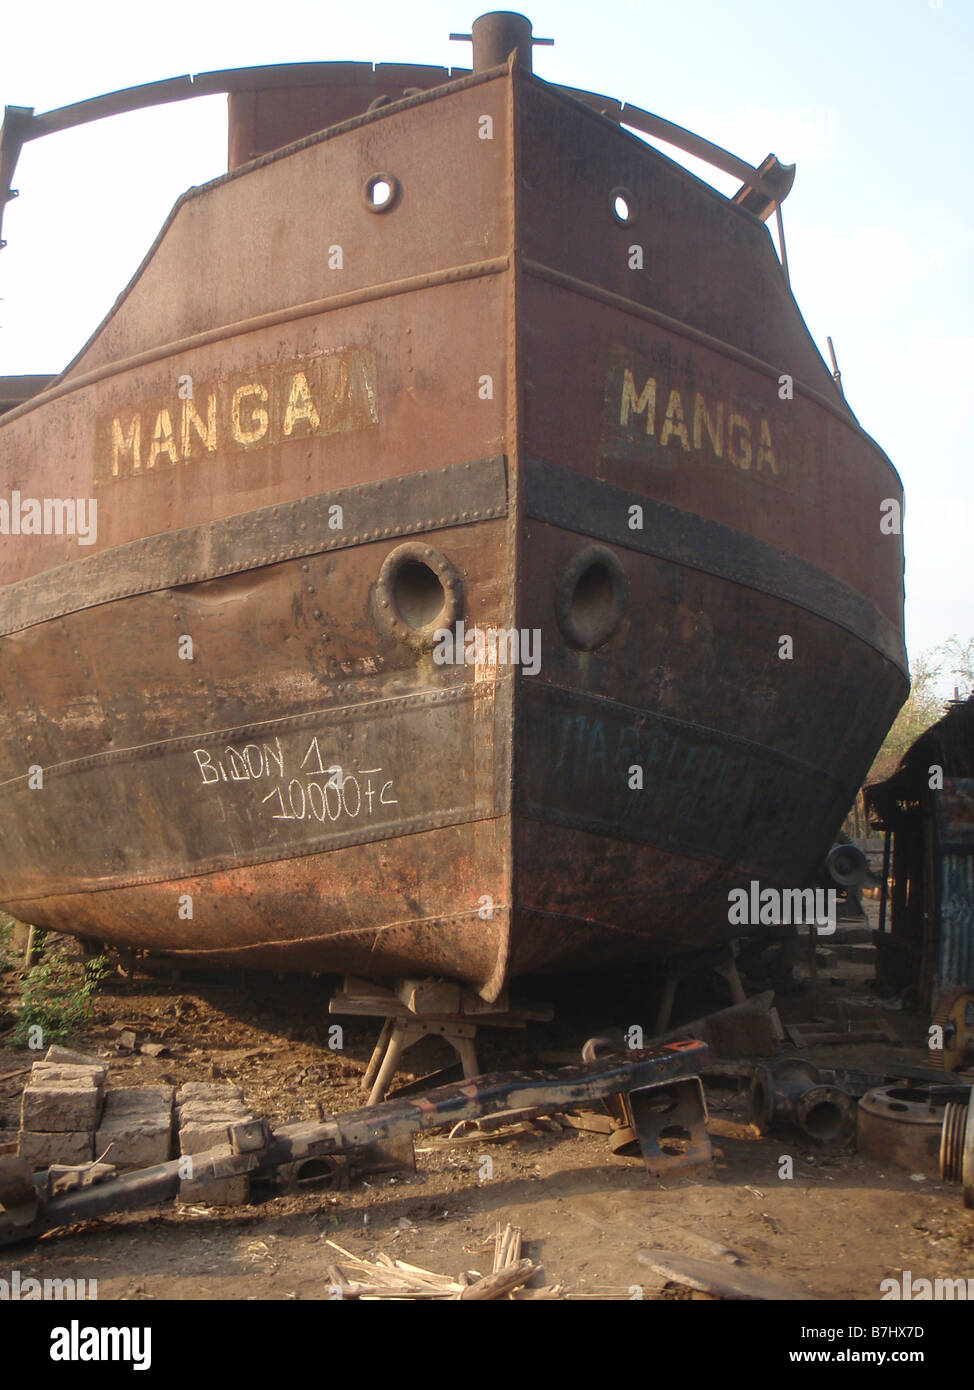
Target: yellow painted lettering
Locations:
point(163, 441)
point(192, 423)
point(701, 418)
point(765, 451)
point(674, 423)
point(130, 443)
point(739, 450)
point(300, 405)
point(255, 429)
point(633, 404)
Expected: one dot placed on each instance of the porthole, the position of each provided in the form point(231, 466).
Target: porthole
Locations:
point(382, 192)
point(591, 598)
point(419, 592)
point(623, 206)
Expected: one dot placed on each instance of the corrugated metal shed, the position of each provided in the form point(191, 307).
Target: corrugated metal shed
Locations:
point(927, 808)
point(954, 811)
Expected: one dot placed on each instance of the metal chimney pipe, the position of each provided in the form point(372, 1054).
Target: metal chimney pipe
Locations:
point(496, 35)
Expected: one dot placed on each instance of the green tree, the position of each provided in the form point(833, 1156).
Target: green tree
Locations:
point(923, 707)
point(957, 661)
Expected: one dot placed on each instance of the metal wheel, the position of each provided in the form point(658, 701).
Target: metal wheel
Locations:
point(955, 1015)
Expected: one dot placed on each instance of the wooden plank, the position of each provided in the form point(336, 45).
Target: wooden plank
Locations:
point(429, 996)
point(721, 1280)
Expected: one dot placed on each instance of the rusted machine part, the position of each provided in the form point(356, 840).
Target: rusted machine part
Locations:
point(255, 1149)
point(793, 1092)
point(326, 1174)
point(955, 1015)
point(595, 1048)
point(19, 1198)
point(826, 1114)
point(667, 1124)
point(847, 866)
point(904, 1125)
point(957, 1146)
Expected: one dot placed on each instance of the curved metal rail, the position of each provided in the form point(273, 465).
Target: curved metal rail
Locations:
point(762, 189)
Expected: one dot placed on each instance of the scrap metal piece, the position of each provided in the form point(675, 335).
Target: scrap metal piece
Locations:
point(957, 1146)
point(847, 866)
point(793, 1092)
point(668, 1125)
point(955, 1015)
point(315, 1174)
point(904, 1125)
point(665, 1123)
point(69, 1177)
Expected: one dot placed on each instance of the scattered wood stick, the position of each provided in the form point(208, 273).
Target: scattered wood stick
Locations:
point(385, 1277)
point(500, 1283)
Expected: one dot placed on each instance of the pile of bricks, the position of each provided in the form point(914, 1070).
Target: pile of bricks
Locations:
point(206, 1110)
point(60, 1110)
point(69, 1117)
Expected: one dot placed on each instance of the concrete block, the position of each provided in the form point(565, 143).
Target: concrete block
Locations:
point(202, 1112)
point(205, 1112)
point(227, 1192)
point(136, 1126)
point(203, 1123)
point(41, 1150)
point(137, 1100)
point(56, 1053)
point(208, 1090)
point(95, 1072)
point(135, 1140)
point(60, 1106)
point(196, 1137)
point(67, 1071)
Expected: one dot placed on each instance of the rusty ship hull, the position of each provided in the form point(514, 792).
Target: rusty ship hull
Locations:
point(317, 431)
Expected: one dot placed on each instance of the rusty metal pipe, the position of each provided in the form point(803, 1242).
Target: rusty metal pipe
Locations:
point(793, 1093)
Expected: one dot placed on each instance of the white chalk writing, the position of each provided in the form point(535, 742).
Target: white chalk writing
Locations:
point(323, 790)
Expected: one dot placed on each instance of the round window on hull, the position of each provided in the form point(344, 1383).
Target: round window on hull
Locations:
point(382, 192)
point(623, 206)
point(419, 593)
point(590, 601)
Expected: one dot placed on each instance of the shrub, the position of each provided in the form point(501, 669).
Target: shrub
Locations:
point(56, 1000)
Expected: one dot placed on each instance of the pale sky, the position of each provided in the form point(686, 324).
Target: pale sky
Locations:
point(872, 99)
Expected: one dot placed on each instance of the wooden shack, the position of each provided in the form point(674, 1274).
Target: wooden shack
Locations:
point(926, 935)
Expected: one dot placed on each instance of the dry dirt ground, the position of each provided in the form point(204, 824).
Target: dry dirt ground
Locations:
point(834, 1231)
